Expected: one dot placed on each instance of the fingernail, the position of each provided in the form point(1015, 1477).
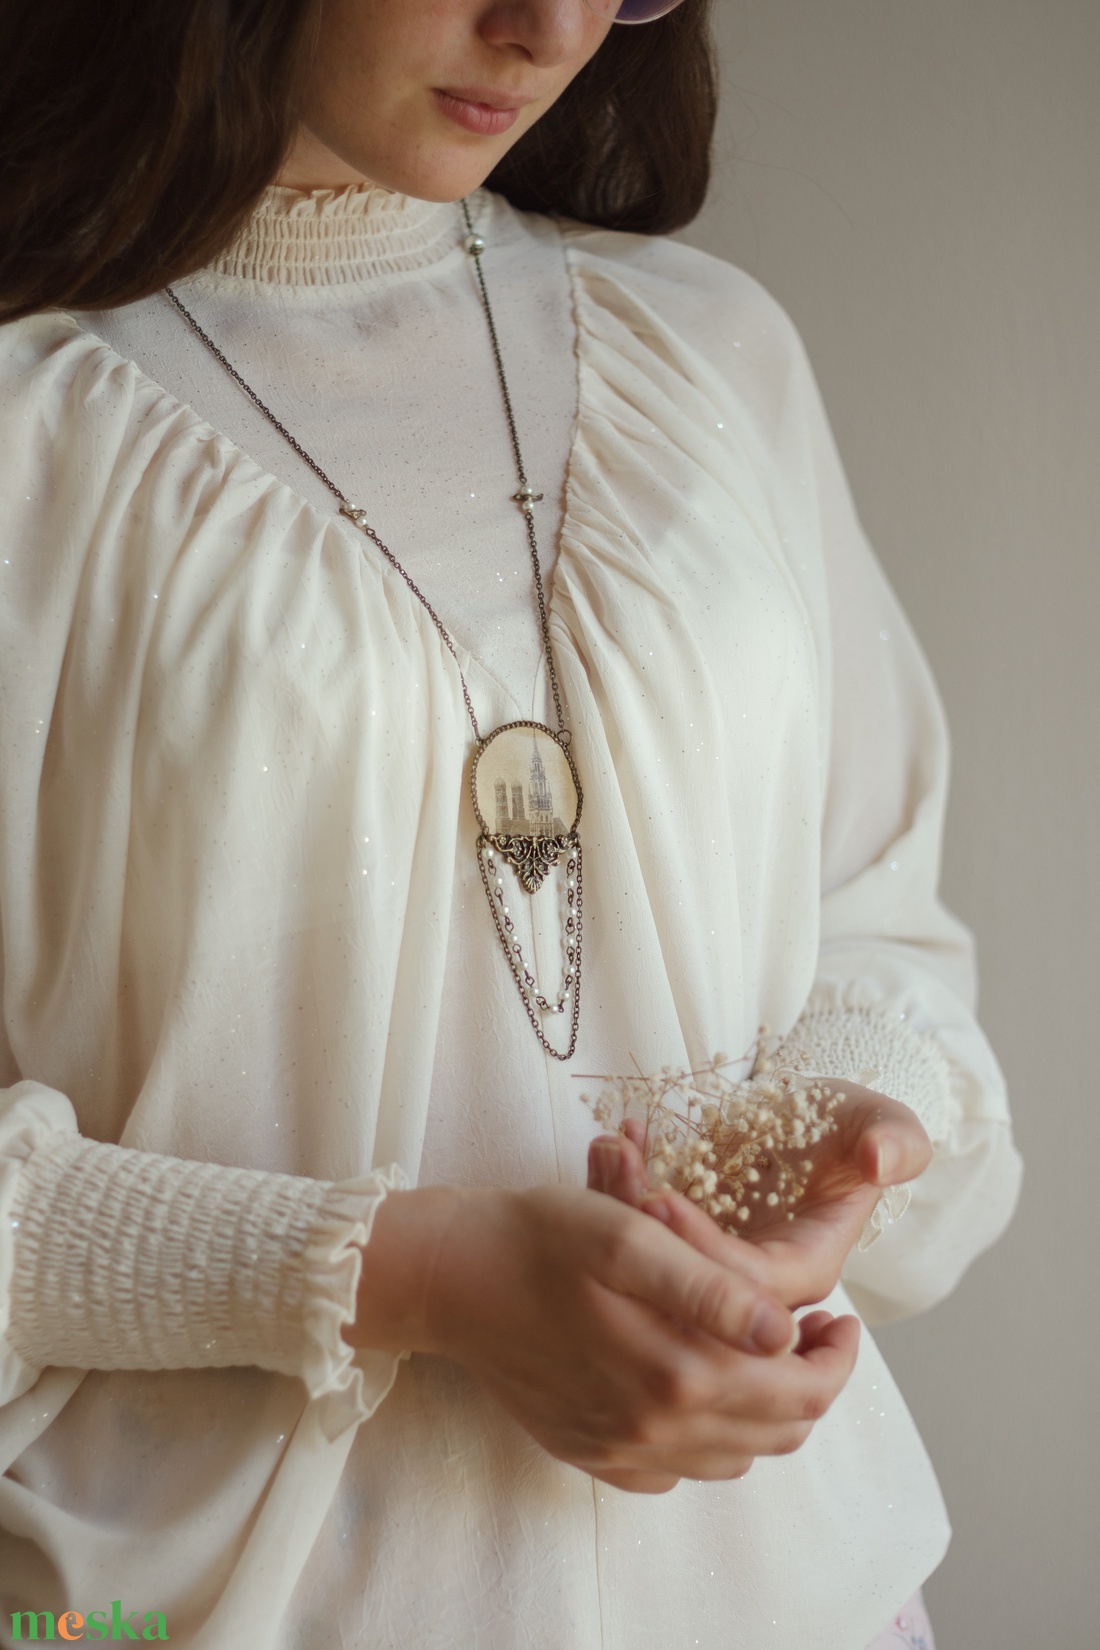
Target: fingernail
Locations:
point(601, 1162)
point(889, 1156)
point(770, 1329)
point(657, 1207)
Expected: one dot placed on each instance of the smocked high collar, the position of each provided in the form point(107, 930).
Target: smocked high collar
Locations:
point(329, 237)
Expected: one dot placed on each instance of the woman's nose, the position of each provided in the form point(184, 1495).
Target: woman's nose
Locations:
point(548, 32)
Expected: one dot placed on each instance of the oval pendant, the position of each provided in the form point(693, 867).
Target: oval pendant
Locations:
point(527, 797)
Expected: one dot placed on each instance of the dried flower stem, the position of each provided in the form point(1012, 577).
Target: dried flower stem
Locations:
point(731, 1144)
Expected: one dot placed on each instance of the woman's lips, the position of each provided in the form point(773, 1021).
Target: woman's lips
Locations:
point(470, 111)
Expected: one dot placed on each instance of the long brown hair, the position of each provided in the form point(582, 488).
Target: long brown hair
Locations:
point(137, 135)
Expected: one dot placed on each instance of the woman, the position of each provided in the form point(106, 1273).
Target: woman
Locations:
point(277, 1112)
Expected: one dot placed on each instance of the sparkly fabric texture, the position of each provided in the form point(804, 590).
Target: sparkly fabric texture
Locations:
point(130, 1260)
point(243, 921)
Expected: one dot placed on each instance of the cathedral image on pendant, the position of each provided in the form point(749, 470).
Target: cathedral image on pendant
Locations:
point(534, 816)
point(524, 784)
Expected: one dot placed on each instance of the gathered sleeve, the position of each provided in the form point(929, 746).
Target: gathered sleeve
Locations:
point(854, 960)
point(892, 1003)
point(113, 1258)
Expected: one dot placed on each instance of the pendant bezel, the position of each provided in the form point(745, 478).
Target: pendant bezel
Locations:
point(532, 853)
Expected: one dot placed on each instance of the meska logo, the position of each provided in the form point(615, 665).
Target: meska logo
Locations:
point(71, 1625)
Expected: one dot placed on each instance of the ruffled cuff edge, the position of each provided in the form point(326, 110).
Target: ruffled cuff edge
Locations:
point(29, 1114)
point(347, 1384)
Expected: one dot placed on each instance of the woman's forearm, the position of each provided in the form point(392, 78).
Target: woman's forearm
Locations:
point(121, 1259)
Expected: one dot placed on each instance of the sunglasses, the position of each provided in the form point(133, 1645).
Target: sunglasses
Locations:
point(631, 11)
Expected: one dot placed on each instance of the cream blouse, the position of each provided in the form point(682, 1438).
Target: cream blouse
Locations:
point(250, 982)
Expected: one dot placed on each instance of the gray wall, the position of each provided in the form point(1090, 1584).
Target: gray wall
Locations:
point(918, 181)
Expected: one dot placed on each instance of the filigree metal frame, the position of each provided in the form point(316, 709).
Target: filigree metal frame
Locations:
point(531, 857)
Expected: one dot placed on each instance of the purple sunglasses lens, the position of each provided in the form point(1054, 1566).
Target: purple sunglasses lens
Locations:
point(642, 11)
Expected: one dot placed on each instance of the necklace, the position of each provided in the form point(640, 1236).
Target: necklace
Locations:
point(524, 784)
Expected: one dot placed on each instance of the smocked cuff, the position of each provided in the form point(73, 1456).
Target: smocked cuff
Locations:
point(878, 1048)
point(121, 1259)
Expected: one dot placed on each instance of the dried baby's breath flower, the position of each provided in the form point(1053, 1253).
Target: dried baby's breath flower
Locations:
point(726, 1142)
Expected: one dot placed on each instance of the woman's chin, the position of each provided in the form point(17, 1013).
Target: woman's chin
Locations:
point(442, 177)
point(444, 165)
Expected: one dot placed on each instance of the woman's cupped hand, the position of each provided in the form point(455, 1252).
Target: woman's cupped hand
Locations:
point(877, 1142)
point(626, 1333)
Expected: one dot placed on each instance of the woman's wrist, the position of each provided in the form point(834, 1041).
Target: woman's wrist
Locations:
point(399, 1262)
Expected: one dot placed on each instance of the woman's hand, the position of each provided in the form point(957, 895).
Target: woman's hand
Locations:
point(622, 1349)
point(878, 1142)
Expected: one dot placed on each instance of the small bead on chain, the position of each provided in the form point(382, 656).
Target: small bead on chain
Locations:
point(525, 980)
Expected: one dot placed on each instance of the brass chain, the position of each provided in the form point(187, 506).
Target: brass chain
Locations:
point(526, 498)
point(514, 953)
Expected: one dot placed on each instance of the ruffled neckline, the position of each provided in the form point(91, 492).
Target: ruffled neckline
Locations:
point(330, 237)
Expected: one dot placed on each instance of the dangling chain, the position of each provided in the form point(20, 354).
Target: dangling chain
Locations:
point(526, 498)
